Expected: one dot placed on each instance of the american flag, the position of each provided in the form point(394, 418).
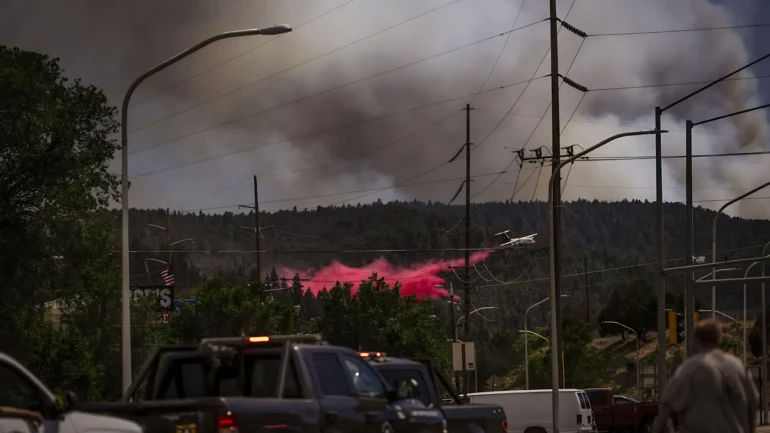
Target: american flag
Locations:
point(168, 277)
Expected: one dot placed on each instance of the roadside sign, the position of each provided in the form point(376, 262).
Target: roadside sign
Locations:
point(163, 318)
point(164, 295)
point(177, 301)
point(457, 356)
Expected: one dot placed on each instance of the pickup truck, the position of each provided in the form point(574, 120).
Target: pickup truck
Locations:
point(617, 413)
point(262, 384)
point(28, 406)
point(422, 381)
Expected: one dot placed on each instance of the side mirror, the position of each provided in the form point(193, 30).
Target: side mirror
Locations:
point(68, 402)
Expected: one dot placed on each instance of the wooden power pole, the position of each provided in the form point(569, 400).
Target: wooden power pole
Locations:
point(466, 320)
point(257, 233)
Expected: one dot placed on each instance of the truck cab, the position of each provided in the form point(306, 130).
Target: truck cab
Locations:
point(257, 384)
point(424, 382)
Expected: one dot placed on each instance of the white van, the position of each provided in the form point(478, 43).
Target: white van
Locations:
point(530, 411)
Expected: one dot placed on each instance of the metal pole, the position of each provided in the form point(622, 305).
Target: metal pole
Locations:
point(466, 322)
point(554, 293)
point(689, 295)
point(660, 285)
point(588, 298)
point(257, 233)
point(763, 391)
point(556, 151)
point(714, 244)
point(125, 279)
point(746, 275)
point(526, 354)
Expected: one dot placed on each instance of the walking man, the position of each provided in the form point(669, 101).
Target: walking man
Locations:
point(711, 392)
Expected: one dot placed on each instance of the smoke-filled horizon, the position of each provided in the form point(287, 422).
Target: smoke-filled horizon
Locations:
point(339, 77)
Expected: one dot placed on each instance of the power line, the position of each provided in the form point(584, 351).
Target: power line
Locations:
point(253, 83)
point(336, 128)
point(617, 268)
point(237, 56)
point(359, 80)
point(344, 192)
point(330, 251)
point(546, 110)
point(687, 83)
point(701, 29)
point(645, 157)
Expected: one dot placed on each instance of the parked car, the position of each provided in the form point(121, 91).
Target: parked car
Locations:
point(425, 383)
point(531, 410)
point(267, 384)
point(617, 413)
point(28, 406)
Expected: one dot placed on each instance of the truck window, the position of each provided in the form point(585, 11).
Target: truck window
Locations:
point(582, 400)
point(598, 398)
point(186, 378)
point(395, 375)
point(18, 392)
point(331, 374)
point(364, 378)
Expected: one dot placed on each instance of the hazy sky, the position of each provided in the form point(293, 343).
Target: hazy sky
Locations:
point(367, 94)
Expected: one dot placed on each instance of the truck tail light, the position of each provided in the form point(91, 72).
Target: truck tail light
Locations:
point(504, 425)
point(226, 423)
point(580, 419)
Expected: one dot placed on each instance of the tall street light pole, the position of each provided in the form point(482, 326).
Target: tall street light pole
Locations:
point(660, 281)
point(689, 296)
point(714, 242)
point(526, 331)
point(553, 203)
point(125, 282)
point(638, 354)
point(763, 391)
point(745, 275)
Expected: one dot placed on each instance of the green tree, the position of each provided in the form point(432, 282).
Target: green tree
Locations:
point(633, 305)
point(56, 141)
point(379, 318)
point(225, 310)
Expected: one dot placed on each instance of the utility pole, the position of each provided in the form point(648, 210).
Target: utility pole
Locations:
point(689, 295)
point(466, 321)
point(256, 230)
point(556, 151)
point(588, 298)
point(168, 234)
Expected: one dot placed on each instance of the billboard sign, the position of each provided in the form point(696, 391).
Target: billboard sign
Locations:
point(164, 295)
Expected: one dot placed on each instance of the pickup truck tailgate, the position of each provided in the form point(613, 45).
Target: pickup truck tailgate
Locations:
point(166, 416)
point(488, 416)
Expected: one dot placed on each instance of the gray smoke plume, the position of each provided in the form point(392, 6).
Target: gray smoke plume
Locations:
point(109, 43)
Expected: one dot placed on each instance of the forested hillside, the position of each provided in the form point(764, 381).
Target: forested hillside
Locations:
point(597, 236)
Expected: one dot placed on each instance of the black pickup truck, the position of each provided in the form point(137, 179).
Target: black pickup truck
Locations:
point(266, 384)
point(423, 381)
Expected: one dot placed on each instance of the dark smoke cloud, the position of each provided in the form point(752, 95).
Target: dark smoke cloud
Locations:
point(108, 43)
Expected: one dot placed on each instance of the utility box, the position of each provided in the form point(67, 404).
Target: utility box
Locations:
point(457, 356)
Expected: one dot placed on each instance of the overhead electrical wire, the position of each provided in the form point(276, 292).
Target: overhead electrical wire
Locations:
point(341, 193)
point(489, 185)
point(237, 56)
point(296, 66)
point(329, 90)
point(701, 29)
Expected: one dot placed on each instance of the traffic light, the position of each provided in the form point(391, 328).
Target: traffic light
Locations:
point(672, 330)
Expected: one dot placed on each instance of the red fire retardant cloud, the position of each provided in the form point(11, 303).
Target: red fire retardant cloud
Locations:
point(419, 280)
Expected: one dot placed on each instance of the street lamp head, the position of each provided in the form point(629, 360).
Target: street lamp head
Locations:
point(276, 29)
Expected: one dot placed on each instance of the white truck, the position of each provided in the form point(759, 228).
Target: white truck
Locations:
point(28, 406)
point(530, 411)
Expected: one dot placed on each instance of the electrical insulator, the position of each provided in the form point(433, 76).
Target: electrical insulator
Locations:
point(573, 84)
point(573, 29)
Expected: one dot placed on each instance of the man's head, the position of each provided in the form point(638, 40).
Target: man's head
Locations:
point(707, 335)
